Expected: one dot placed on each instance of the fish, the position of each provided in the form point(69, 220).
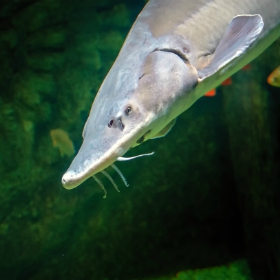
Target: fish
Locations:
point(61, 141)
point(212, 92)
point(175, 52)
point(274, 78)
point(226, 82)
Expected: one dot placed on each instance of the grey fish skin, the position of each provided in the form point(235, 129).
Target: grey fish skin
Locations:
point(175, 52)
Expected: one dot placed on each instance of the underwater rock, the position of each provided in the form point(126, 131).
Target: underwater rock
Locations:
point(235, 270)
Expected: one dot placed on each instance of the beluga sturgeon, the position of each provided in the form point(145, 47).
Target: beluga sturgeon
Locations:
point(175, 52)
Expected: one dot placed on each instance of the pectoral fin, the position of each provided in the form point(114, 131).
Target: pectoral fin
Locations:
point(242, 31)
point(165, 130)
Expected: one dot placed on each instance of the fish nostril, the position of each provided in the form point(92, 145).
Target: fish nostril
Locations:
point(117, 124)
point(121, 126)
point(110, 123)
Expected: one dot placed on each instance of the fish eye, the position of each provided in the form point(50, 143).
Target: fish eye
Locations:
point(128, 111)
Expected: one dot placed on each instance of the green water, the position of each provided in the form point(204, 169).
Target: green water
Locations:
point(206, 204)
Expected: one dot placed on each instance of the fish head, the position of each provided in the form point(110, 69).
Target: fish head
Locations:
point(136, 100)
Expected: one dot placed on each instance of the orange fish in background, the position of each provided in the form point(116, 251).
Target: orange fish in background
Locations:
point(61, 140)
point(212, 92)
point(274, 78)
point(226, 82)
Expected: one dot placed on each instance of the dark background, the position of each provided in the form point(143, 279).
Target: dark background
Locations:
point(208, 197)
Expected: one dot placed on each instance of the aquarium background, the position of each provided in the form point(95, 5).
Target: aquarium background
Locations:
point(204, 206)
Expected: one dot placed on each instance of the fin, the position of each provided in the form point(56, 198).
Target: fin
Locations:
point(242, 31)
point(210, 93)
point(165, 130)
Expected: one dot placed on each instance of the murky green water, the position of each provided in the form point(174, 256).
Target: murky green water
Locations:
point(207, 201)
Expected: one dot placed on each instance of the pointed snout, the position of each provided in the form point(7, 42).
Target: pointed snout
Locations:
point(88, 162)
point(69, 180)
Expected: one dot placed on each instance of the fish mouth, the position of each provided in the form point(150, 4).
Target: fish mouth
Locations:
point(78, 173)
point(68, 181)
point(91, 160)
point(96, 155)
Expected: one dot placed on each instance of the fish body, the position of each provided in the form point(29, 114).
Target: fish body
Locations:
point(61, 140)
point(175, 52)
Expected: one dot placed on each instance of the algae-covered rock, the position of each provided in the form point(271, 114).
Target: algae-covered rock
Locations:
point(236, 270)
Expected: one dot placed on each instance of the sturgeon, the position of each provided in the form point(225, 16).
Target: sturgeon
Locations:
point(175, 52)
